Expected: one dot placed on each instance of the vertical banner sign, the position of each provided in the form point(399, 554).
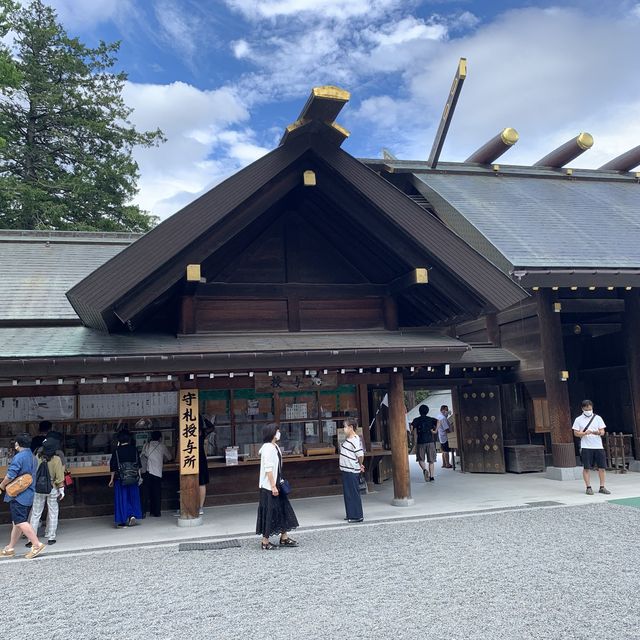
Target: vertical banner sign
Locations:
point(189, 441)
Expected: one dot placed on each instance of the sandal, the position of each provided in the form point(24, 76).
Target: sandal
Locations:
point(267, 546)
point(7, 553)
point(288, 542)
point(35, 551)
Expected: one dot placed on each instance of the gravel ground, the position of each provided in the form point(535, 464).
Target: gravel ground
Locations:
point(568, 572)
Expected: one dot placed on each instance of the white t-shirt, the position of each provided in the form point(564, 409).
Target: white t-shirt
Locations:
point(443, 425)
point(593, 440)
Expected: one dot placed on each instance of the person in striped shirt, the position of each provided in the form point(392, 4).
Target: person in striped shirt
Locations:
point(351, 466)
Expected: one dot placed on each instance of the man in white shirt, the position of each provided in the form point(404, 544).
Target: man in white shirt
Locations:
point(590, 428)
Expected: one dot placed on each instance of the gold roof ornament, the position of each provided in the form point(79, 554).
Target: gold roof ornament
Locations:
point(321, 108)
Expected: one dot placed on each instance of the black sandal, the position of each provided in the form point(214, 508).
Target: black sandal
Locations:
point(288, 542)
point(266, 546)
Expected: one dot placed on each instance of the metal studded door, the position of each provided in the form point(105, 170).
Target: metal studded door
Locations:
point(481, 428)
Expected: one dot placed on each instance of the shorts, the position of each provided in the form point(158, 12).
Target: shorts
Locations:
point(427, 449)
point(19, 512)
point(593, 458)
point(444, 446)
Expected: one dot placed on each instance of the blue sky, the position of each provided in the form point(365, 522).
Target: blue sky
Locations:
point(222, 78)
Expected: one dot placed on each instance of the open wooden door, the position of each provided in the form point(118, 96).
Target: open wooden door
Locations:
point(480, 428)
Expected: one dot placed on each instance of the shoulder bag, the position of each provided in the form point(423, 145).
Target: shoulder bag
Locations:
point(127, 472)
point(588, 423)
point(20, 484)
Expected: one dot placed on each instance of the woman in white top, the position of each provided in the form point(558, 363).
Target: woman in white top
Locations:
point(154, 455)
point(275, 513)
point(351, 466)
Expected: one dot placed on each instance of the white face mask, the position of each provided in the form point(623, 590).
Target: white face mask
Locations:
point(588, 413)
point(277, 436)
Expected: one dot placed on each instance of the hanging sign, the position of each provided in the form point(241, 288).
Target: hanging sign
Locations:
point(297, 381)
point(189, 442)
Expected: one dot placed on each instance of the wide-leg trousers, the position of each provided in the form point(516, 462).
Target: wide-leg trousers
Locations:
point(351, 493)
point(51, 500)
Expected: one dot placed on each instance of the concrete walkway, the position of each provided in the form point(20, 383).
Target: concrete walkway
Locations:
point(452, 493)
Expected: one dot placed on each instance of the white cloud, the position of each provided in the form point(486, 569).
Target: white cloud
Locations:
point(203, 145)
point(91, 14)
point(179, 29)
point(548, 88)
point(241, 49)
point(335, 9)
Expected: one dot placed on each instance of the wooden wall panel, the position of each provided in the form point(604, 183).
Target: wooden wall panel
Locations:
point(241, 315)
point(364, 313)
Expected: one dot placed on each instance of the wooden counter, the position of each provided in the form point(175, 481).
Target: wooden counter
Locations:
point(103, 470)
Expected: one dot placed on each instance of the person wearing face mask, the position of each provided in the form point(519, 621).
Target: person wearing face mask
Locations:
point(275, 513)
point(589, 428)
point(351, 466)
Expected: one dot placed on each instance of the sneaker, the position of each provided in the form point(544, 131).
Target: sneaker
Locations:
point(131, 522)
point(604, 490)
point(589, 491)
point(352, 520)
point(431, 479)
point(201, 511)
point(28, 544)
point(35, 551)
point(425, 473)
point(52, 541)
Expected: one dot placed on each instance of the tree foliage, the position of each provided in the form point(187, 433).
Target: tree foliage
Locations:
point(67, 162)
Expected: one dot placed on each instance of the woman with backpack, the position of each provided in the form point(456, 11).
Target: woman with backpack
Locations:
point(126, 480)
point(49, 488)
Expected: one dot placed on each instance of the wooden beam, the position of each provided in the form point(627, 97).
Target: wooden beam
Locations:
point(419, 275)
point(595, 305)
point(284, 290)
point(447, 113)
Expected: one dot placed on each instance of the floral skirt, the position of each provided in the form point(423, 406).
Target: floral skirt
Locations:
point(275, 514)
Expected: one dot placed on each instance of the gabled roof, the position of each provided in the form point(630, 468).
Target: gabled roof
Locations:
point(547, 226)
point(38, 267)
point(534, 222)
point(124, 287)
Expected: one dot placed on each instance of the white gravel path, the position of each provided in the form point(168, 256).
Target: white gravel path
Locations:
point(569, 572)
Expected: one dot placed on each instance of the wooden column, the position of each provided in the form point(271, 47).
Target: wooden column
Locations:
point(398, 438)
point(562, 445)
point(189, 497)
point(631, 328)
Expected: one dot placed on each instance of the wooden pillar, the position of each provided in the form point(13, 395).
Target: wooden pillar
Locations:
point(632, 354)
point(189, 497)
point(562, 445)
point(188, 457)
point(398, 438)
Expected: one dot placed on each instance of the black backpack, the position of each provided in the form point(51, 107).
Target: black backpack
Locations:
point(43, 478)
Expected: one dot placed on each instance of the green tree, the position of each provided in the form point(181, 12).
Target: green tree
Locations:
point(67, 162)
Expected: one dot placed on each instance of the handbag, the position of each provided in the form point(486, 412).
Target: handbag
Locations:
point(68, 480)
point(127, 472)
point(285, 487)
point(362, 484)
point(17, 486)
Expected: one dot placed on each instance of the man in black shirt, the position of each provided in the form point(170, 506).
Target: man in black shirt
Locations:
point(424, 428)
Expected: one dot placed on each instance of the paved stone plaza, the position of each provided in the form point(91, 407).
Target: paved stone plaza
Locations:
point(546, 572)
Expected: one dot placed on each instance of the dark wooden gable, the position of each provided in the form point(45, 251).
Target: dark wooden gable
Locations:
point(335, 255)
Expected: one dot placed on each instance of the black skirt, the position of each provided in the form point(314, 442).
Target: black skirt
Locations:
point(275, 514)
